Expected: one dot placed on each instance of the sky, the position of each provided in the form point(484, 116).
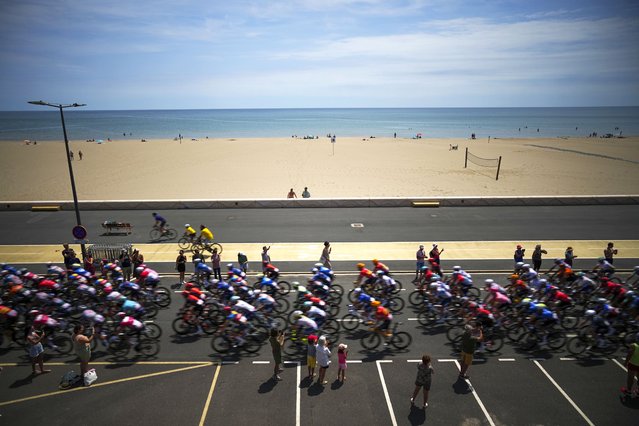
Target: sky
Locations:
point(194, 54)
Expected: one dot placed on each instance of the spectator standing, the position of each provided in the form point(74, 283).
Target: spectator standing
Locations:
point(89, 263)
point(632, 365)
point(291, 194)
point(242, 259)
point(80, 155)
point(536, 257)
point(423, 380)
point(126, 264)
point(215, 263)
point(311, 351)
point(137, 258)
point(323, 356)
point(325, 259)
point(342, 354)
point(71, 155)
point(36, 351)
point(519, 253)
point(180, 266)
point(472, 335)
point(609, 252)
point(435, 253)
point(421, 261)
point(67, 254)
point(569, 256)
point(266, 258)
point(305, 193)
point(197, 257)
point(82, 347)
point(277, 341)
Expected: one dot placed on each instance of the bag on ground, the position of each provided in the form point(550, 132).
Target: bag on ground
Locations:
point(90, 377)
point(69, 379)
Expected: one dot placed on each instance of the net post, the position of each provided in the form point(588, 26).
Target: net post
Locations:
point(466, 159)
point(498, 167)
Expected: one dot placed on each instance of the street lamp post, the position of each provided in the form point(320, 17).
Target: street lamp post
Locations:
point(66, 145)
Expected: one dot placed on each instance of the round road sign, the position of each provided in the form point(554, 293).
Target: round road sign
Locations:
point(79, 232)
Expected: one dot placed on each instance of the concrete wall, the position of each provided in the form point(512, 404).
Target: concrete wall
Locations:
point(320, 202)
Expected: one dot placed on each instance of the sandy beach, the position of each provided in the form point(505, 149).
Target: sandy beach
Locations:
point(266, 168)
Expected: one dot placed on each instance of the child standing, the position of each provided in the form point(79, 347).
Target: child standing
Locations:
point(424, 378)
point(311, 361)
point(342, 354)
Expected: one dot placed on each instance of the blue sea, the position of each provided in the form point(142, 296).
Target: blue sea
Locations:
point(81, 124)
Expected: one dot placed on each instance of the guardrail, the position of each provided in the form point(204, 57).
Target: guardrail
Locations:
point(457, 201)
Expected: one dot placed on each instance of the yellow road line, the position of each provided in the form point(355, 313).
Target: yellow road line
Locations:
point(127, 379)
point(348, 251)
point(208, 398)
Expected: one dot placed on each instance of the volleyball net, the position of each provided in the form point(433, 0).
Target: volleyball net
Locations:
point(483, 162)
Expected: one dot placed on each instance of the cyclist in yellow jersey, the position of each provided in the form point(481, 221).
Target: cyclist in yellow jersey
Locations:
point(206, 236)
point(190, 233)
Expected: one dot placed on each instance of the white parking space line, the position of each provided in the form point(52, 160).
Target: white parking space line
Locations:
point(506, 359)
point(353, 361)
point(588, 421)
point(567, 359)
point(481, 404)
point(298, 390)
point(446, 360)
point(388, 401)
point(620, 365)
point(413, 360)
point(261, 362)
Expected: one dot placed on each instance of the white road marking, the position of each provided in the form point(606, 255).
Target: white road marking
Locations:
point(353, 361)
point(620, 365)
point(567, 359)
point(261, 362)
point(564, 393)
point(481, 404)
point(388, 401)
point(506, 359)
point(446, 360)
point(413, 360)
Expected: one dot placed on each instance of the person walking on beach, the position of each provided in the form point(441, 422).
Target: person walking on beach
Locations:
point(424, 379)
point(325, 258)
point(569, 256)
point(80, 155)
point(421, 261)
point(536, 257)
point(291, 194)
point(305, 193)
point(609, 252)
point(277, 341)
point(472, 335)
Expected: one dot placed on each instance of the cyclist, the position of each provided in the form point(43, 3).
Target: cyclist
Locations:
point(313, 312)
point(206, 236)
point(365, 276)
point(189, 232)
point(599, 327)
point(160, 223)
point(460, 280)
point(270, 270)
point(303, 324)
point(603, 267)
point(384, 318)
point(388, 284)
point(379, 266)
point(264, 302)
point(243, 307)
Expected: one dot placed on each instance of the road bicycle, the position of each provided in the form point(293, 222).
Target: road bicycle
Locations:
point(398, 339)
point(156, 233)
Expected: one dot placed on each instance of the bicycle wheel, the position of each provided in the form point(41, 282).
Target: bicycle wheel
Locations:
point(221, 344)
point(282, 306)
point(398, 288)
point(155, 234)
point(119, 348)
point(528, 341)
point(217, 246)
point(493, 343)
point(148, 347)
point(337, 288)
point(251, 345)
point(182, 327)
point(184, 243)
point(293, 347)
point(330, 327)
point(208, 326)
point(19, 336)
point(416, 298)
point(162, 297)
point(473, 293)
point(401, 340)
point(576, 345)
point(150, 311)
point(153, 331)
point(284, 287)
point(350, 322)
point(64, 344)
point(454, 333)
point(352, 297)
point(171, 234)
point(278, 322)
point(426, 318)
point(556, 340)
point(371, 340)
point(395, 304)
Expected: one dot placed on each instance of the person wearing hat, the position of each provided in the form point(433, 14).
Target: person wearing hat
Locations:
point(519, 253)
point(311, 351)
point(569, 256)
point(323, 356)
point(342, 354)
point(421, 261)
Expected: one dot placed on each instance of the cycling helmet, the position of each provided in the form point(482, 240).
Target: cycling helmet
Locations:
point(189, 286)
point(636, 269)
point(519, 264)
point(435, 277)
point(357, 290)
point(602, 300)
point(295, 284)
point(558, 261)
point(489, 281)
point(227, 309)
point(375, 261)
point(139, 269)
point(187, 225)
point(601, 259)
point(380, 273)
point(589, 313)
point(434, 286)
point(456, 268)
point(375, 303)
point(297, 314)
point(235, 298)
point(526, 265)
point(514, 277)
point(360, 265)
point(318, 265)
point(314, 270)
point(257, 292)
point(308, 304)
